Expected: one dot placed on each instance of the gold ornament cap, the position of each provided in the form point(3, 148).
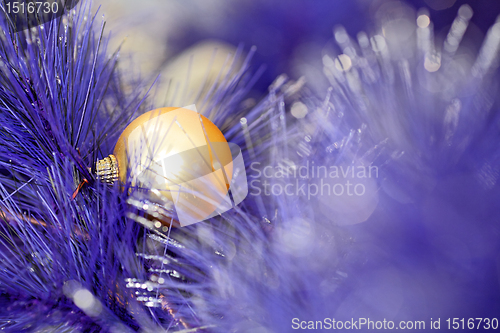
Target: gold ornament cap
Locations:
point(107, 169)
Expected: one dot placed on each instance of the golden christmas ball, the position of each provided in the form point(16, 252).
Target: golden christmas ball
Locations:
point(178, 153)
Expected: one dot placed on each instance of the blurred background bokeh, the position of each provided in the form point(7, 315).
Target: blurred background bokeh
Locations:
point(288, 35)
